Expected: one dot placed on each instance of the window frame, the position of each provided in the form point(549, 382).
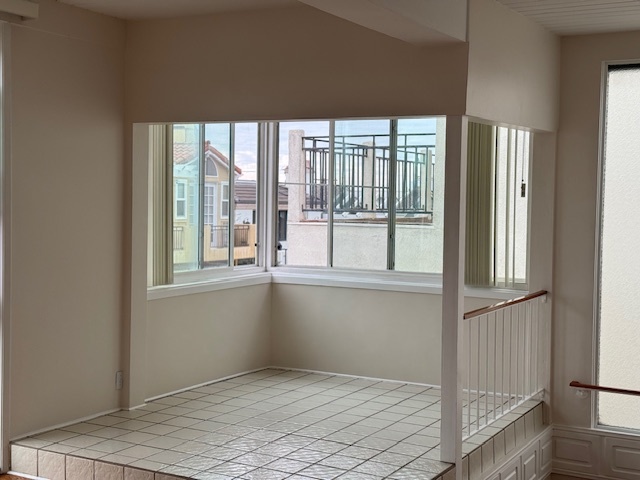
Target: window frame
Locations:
point(267, 231)
point(184, 199)
point(225, 200)
point(217, 274)
point(596, 321)
point(209, 206)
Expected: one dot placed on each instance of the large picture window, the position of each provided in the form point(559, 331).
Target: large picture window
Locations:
point(619, 262)
point(363, 194)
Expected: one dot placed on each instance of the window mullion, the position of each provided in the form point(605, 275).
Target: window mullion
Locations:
point(391, 220)
point(201, 183)
point(507, 205)
point(260, 196)
point(231, 200)
point(270, 152)
point(330, 190)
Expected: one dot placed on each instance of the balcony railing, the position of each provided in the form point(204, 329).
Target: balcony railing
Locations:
point(220, 236)
point(361, 172)
point(178, 238)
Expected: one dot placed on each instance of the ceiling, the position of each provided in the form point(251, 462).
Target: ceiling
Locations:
point(573, 17)
point(564, 17)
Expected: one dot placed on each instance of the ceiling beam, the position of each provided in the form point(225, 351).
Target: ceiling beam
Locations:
point(22, 8)
point(418, 22)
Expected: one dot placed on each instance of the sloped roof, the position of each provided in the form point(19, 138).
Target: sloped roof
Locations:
point(245, 195)
point(187, 152)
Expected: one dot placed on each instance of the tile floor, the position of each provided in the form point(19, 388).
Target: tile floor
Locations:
point(271, 424)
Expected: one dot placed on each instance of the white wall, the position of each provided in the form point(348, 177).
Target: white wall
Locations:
point(574, 254)
point(513, 68)
point(354, 331)
point(576, 201)
point(292, 63)
point(281, 64)
point(197, 338)
point(67, 138)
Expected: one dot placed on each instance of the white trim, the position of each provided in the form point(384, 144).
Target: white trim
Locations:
point(547, 433)
point(361, 282)
point(345, 375)
point(288, 369)
point(595, 441)
point(222, 379)
point(168, 291)
point(453, 290)
point(201, 282)
point(183, 198)
point(5, 242)
point(600, 431)
point(25, 475)
point(595, 337)
point(495, 293)
point(65, 424)
point(596, 320)
point(222, 199)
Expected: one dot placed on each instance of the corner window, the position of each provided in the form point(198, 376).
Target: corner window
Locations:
point(364, 195)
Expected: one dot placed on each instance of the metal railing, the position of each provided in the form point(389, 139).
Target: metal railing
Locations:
point(600, 388)
point(361, 173)
point(220, 236)
point(505, 348)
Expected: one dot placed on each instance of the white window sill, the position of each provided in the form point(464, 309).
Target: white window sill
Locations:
point(385, 281)
point(208, 285)
point(381, 281)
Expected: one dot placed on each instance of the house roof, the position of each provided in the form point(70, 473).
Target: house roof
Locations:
point(245, 195)
point(184, 153)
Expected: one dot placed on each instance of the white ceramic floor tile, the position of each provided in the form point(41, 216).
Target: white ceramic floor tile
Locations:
point(268, 425)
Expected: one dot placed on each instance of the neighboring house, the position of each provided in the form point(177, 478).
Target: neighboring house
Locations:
point(186, 211)
point(216, 207)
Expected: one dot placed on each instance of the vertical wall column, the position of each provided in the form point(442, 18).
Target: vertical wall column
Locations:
point(540, 268)
point(5, 244)
point(135, 346)
point(453, 290)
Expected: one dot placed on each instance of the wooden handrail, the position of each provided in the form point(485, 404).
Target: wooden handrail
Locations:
point(586, 386)
point(505, 304)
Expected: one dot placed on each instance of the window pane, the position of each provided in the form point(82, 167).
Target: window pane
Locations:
point(361, 194)
point(217, 148)
point(619, 336)
point(511, 214)
point(187, 148)
point(303, 173)
point(246, 193)
point(420, 195)
point(521, 208)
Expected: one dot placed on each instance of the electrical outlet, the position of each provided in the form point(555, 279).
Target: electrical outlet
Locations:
point(119, 380)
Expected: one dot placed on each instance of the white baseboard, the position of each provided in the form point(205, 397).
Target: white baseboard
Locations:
point(375, 379)
point(203, 384)
point(65, 424)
